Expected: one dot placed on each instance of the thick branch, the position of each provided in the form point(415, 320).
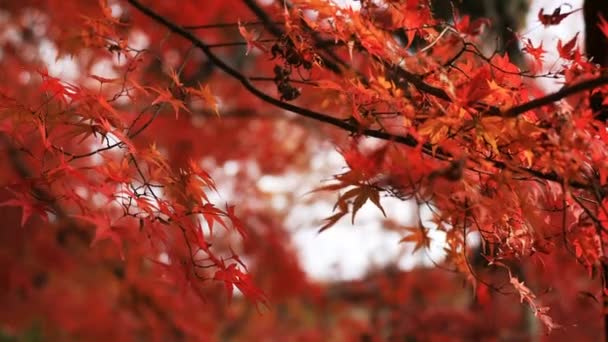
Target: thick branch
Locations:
point(424, 87)
point(400, 72)
point(558, 95)
point(408, 140)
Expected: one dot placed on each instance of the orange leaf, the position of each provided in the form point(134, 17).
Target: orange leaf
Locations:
point(250, 38)
point(205, 94)
point(419, 236)
point(165, 96)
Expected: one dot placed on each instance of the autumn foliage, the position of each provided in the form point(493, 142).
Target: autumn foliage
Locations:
point(120, 219)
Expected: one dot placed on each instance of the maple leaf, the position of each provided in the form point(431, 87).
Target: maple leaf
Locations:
point(365, 166)
point(360, 199)
point(250, 38)
point(113, 116)
point(438, 116)
point(200, 237)
point(165, 96)
point(175, 78)
point(153, 155)
point(232, 276)
point(140, 88)
point(434, 129)
point(117, 172)
point(145, 204)
point(466, 26)
point(51, 84)
point(205, 94)
point(331, 187)
point(554, 18)
point(28, 207)
point(117, 134)
point(57, 88)
point(418, 235)
point(359, 195)
point(565, 50)
point(236, 222)
point(587, 246)
point(236, 258)
point(332, 220)
point(374, 196)
point(211, 214)
point(104, 229)
point(536, 52)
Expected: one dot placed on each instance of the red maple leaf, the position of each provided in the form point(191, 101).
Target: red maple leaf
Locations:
point(232, 276)
point(565, 50)
point(536, 52)
point(28, 206)
point(554, 18)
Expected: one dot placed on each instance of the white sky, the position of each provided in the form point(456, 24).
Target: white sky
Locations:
point(347, 251)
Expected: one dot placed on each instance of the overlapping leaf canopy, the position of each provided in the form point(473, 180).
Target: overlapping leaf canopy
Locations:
point(108, 189)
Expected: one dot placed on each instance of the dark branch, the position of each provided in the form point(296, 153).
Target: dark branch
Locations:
point(408, 140)
point(553, 97)
point(220, 25)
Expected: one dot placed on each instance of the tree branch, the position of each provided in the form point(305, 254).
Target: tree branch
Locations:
point(407, 140)
point(553, 97)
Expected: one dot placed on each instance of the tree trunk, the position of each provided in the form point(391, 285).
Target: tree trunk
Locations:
point(596, 48)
